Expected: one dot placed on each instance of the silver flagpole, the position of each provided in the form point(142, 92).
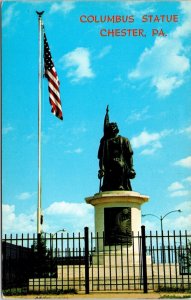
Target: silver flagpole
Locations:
point(39, 204)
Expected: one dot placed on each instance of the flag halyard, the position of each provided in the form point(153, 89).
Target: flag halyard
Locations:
point(53, 81)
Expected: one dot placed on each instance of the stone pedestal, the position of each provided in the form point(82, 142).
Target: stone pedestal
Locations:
point(109, 205)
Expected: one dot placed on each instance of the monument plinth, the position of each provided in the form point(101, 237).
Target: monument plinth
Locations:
point(117, 215)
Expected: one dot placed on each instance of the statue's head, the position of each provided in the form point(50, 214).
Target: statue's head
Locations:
point(112, 129)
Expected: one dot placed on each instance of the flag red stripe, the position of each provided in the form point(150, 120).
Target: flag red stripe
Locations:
point(54, 85)
point(52, 99)
point(55, 108)
point(52, 76)
point(54, 95)
point(56, 91)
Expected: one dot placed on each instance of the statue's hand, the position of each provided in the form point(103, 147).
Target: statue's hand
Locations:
point(100, 173)
point(132, 174)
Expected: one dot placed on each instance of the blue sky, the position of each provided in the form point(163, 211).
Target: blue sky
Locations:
point(145, 81)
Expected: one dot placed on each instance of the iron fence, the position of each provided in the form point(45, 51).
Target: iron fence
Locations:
point(42, 263)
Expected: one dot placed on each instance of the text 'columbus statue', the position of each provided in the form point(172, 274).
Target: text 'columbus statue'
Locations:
point(115, 159)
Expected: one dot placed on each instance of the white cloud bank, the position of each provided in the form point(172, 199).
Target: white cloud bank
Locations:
point(74, 151)
point(178, 221)
point(188, 179)
point(185, 162)
point(138, 115)
point(186, 131)
point(104, 51)
point(166, 63)
point(75, 216)
point(149, 140)
point(65, 208)
point(69, 215)
point(25, 195)
point(179, 189)
point(133, 7)
point(179, 193)
point(13, 223)
point(64, 7)
point(175, 186)
point(78, 64)
point(9, 14)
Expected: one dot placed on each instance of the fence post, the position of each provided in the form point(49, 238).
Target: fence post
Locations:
point(86, 237)
point(144, 260)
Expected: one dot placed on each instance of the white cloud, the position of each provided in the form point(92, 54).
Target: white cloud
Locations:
point(175, 186)
point(72, 216)
point(8, 210)
point(75, 151)
point(186, 130)
point(184, 222)
point(179, 193)
point(64, 7)
point(65, 208)
point(104, 51)
point(78, 63)
point(76, 216)
point(133, 8)
point(177, 189)
point(138, 115)
point(165, 84)
point(153, 148)
point(150, 225)
point(25, 195)
point(176, 221)
point(180, 222)
point(78, 130)
point(7, 129)
point(78, 150)
point(144, 138)
point(185, 162)
point(168, 53)
point(184, 206)
point(12, 223)
point(184, 30)
point(188, 179)
point(8, 15)
point(30, 137)
point(149, 139)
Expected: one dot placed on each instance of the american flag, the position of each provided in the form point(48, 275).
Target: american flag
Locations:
point(53, 81)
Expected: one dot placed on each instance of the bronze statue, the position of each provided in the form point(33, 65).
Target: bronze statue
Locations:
point(115, 159)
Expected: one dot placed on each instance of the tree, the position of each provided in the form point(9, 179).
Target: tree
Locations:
point(42, 264)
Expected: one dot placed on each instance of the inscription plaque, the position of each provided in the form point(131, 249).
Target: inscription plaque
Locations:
point(117, 225)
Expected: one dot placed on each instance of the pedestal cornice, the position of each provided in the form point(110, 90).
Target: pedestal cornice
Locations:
point(117, 197)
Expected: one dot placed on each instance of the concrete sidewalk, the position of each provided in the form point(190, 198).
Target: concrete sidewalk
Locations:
point(106, 295)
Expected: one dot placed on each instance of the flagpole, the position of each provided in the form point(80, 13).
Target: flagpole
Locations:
point(39, 203)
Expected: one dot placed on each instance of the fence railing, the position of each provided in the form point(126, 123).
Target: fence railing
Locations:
point(83, 262)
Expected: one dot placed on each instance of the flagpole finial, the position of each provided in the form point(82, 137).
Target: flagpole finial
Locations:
point(39, 13)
